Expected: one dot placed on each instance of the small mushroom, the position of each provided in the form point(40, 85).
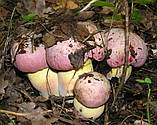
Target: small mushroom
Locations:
point(66, 55)
point(45, 81)
point(28, 59)
point(116, 43)
point(87, 112)
point(98, 52)
point(92, 89)
point(67, 79)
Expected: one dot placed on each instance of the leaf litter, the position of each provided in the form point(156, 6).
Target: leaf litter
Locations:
point(53, 19)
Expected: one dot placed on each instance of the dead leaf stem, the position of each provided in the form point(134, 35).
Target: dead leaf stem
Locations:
point(126, 49)
point(88, 5)
point(24, 114)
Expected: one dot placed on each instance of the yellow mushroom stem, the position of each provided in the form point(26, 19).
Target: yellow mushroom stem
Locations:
point(45, 81)
point(88, 112)
point(117, 72)
point(67, 79)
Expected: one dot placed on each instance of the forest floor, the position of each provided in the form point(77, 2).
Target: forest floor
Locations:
point(22, 104)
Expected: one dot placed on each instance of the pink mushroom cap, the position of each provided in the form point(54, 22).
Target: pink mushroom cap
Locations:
point(28, 61)
point(116, 43)
point(97, 53)
point(92, 89)
point(59, 56)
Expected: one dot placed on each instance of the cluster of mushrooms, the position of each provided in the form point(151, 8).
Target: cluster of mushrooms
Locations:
point(65, 69)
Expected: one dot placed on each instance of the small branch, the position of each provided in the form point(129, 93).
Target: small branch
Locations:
point(112, 20)
point(122, 123)
point(24, 114)
point(92, 34)
point(88, 5)
point(47, 83)
point(126, 43)
point(8, 37)
point(126, 49)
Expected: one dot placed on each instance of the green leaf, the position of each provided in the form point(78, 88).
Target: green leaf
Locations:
point(140, 81)
point(117, 17)
point(136, 15)
point(78, 12)
point(102, 3)
point(85, 1)
point(18, 11)
point(30, 17)
point(148, 80)
point(144, 1)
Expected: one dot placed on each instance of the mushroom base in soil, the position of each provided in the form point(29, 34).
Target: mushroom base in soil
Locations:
point(87, 112)
point(67, 79)
point(45, 81)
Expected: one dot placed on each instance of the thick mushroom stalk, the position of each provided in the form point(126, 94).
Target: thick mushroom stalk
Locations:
point(66, 55)
point(92, 89)
point(87, 112)
point(116, 43)
point(117, 72)
point(45, 81)
point(28, 59)
point(67, 79)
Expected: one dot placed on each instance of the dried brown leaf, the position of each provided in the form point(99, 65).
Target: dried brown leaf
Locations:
point(107, 10)
point(3, 12)
point(37, 117)
point(154, 106)
point(68, 4)
point(64, 31)
point(35, 6)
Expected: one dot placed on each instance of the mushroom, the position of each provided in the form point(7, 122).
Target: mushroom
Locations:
point(116, 43)
point(87, 112)
point(35, 65)
point(66, 55)
point(92, 89)
point(67, 79)
point(117, 72)
point(98, 52)
point(26, 60)
point(45, 81)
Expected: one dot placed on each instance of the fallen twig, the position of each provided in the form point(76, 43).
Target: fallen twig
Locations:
point(126, 49)
point(24, 114)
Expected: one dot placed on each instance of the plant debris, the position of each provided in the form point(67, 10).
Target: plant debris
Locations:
point(52, 21)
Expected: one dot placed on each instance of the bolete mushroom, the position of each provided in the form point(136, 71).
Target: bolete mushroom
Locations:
point(117, 72)
point(45, 81)
point(28, 59)
point(87, 112)
point(92, 89)
point(98, 52)
point(66, 55)
point(67, 79)
point(32, 60)
point(116, 43)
